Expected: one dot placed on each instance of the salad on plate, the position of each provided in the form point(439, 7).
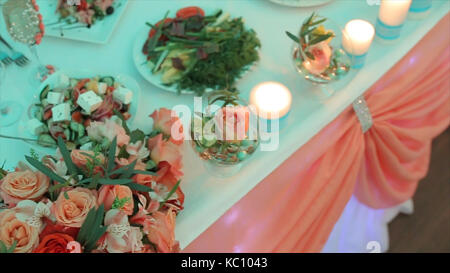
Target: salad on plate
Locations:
point(84, 11)
point(195, 52)
point(68, 105)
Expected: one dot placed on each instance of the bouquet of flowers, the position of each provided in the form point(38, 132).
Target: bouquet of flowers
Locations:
point(121, 195)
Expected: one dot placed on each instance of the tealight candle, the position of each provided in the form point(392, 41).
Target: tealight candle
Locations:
point(271, 101)
point(419, 9)
point(357, 38)
point(391, 17)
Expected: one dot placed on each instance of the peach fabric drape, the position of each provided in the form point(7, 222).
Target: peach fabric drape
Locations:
point(295, 208)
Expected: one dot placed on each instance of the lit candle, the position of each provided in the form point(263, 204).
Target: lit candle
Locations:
point(357, 38)
point(271, 101)
point(419, 9)
point(391, 17)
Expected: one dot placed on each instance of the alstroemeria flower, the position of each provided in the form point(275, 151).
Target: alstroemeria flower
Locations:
point(138, 150)
point(33, 213)
point(166, 151)
point(120, 236)
point(109, 129)
point(160, 230)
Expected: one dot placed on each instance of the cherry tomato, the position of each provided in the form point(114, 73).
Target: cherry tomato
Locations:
point(188, 12)
point(87, 123)
point(83, 5)
point(77, 117)
point(48, 114)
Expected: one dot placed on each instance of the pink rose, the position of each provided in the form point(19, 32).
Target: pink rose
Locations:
point(72, 212)
point(169, 124)
point(120, 236)
point(108, 193)
point(322, 58)
point(160, 230)
point(81, 158)
point(23, 185)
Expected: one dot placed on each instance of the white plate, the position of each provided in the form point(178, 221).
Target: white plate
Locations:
point(125, 80)
point(99, 33)
point(140, 61)
point(300, 3)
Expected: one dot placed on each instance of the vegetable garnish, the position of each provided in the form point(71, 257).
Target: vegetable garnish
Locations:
point(198, 53)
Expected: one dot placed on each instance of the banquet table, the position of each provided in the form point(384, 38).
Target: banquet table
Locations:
point(211, 200)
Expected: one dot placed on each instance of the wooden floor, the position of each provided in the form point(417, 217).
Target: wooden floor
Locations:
point(428, 229)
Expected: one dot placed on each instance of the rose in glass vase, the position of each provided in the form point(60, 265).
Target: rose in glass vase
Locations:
point(225, 134)
point(318, 55)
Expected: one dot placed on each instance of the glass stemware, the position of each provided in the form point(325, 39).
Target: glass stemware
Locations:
point(10, 111)
point(24, 24)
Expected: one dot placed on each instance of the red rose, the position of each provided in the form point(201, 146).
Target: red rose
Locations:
point(54, 243)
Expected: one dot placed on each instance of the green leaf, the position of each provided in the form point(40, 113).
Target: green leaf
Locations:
point(293, 37)
point(110, 181)
point(145, 172)
point(137, 135)
point(139, 187)
point(73, 169)
point(97, 234)
point(320, 38)
point(129, 171)
point(112, 155)
point(86, 226)
point(310, 55)
point(3, 248)
point(66, 195)
point(154, 40)
point(317, 22)
point(97, 222)
point(170, 194)
point(45, 170)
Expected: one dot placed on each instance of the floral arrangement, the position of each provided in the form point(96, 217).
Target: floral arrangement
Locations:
point(122, 195)
point(224, 136)
point(316, 54)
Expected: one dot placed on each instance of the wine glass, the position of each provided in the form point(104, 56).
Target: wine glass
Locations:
point(10, 111)
point(24, 24)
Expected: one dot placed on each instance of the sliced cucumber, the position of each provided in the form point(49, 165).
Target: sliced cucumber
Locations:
point(44, 102)
point(108, 80)
point(84, 140)
point(44, 92)
point(67, 133)
point(39, 114)
point(46, 141)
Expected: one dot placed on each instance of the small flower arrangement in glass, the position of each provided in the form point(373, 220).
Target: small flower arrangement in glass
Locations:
point(225, 133)
point(318, 55)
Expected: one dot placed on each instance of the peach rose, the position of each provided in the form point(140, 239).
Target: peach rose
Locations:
point(12, 229)
point(166, 151)
point(160, 230)
point(169, 124)
point(72, 212)
point(120, 236)
point(81, 157)
point(168, 178)
point(108, 193)
point(322, 58)
point(23, 185)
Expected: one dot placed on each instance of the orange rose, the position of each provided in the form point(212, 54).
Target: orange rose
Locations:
point(160, 230)
point(23, 185)
point(169, 124)
point(12, 229)
point(109, 193)
point(54, 243)
point(322, 57)
point(71, 212)
point(81, 158)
